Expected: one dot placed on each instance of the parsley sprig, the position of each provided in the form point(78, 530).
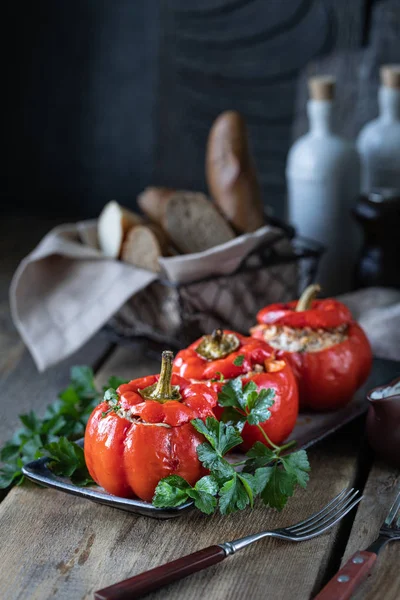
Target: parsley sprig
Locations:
point(63, 422)
point(265, 472)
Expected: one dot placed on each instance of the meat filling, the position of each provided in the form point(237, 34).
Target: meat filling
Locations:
point(289, 339)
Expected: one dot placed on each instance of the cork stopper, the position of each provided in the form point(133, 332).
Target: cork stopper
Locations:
point(322, 87)
point(390, 76)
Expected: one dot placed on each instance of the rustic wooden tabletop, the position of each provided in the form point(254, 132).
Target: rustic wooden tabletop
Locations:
point(58, 546)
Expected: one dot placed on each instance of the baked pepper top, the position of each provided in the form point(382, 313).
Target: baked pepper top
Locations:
point(222, 355)
point(307, 312)
point(142, 433)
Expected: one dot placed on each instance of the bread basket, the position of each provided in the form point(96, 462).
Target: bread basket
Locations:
point(173, 315)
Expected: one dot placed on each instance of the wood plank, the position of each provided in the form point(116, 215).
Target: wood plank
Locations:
point(60, 546)
point(381, 488)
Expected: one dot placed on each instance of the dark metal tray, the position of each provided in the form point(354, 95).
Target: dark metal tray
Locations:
point(309, 430)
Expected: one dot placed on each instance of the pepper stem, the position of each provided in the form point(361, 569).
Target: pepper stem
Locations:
point(163, 390)
point(307, 297)
point(217, 345)
point(217, 335)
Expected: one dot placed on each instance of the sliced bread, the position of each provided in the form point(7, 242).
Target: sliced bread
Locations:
point(143, 246)
point(193, 223)
point(151, 201)
point(113, 224)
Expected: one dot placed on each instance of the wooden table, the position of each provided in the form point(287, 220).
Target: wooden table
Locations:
point(54, 545)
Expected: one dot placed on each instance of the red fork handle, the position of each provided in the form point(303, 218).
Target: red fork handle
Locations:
point(343, 585)
point(147, 582)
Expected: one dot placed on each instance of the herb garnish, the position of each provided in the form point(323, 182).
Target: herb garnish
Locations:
point(65, 418)
point(238, 361)
point(266, 473)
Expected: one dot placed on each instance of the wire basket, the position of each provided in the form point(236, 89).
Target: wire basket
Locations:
point(174, 315)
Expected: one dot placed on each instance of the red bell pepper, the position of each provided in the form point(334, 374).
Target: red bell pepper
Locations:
point(226, 355)
point(327, 350)
point(223, 354)
point(143, 433)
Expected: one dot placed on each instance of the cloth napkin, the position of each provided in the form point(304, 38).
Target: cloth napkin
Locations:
point(65, 290)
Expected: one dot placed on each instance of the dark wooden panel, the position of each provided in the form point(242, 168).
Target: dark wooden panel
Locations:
point(246, 58)
point(104, 98)
point(81, 79)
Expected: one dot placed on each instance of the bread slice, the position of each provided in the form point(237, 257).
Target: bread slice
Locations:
point(113, 224)
point(143, 246)
point(193, 223)
point(151, 201)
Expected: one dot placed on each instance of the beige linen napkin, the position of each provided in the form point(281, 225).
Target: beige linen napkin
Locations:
point(66, 290)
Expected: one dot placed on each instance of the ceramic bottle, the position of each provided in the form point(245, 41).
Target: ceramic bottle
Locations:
point(323, 181)
point(379, 141)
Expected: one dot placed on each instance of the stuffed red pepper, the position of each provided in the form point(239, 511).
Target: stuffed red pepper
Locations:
point(142, 433)
point(327, 350)
point(225, 355)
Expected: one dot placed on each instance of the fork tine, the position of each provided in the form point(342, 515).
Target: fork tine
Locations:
point(323, 510)
point(333, 518)
point(351, 494)
point(322, 513)
point(393, 512)
point(320, 523)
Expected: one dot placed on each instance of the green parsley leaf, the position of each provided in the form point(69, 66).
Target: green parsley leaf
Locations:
point(170, 492)
point(204, 493)
point(211, 460)
point(68, 460)
point(297, 465)
point(66, 417)
point(233, 496)
point(258, 405)
point(232, 395)
point(251, 406)
point(9, 473)
point(239, 360)
point(259, 456)
point(278, 488)
point(222, 436)
point(111, 396)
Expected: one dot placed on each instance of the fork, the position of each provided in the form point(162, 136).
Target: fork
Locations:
point(154, 579)
point(359, 566)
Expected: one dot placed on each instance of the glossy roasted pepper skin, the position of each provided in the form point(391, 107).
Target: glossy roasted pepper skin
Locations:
point(128, 456)
point(191, 365)
point(276, 375)
point(327, 378)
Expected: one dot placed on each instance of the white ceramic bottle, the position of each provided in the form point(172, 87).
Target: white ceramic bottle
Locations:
point(323, 179)
point(379, 141)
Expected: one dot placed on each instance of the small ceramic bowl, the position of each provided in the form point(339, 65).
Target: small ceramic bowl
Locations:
point(383, 421)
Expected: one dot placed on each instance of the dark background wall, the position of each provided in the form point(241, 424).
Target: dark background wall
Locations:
point(103, 98)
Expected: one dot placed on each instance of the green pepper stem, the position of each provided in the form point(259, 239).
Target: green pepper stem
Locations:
point(216, 336)
point(163, 388)
point(307, 297)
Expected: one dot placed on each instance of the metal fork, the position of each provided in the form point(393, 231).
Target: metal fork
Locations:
point(357, 568)
point(149, 581)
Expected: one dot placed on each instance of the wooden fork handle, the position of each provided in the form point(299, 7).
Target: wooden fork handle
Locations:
point(146, 582)
point(343, 585)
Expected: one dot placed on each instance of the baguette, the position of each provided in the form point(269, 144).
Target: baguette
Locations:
point(113, 225)
point(231, 175)
point(143, 246)
point(192, 222)
point(151, 202)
